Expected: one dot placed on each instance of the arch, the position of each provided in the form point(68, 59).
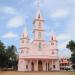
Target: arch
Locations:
point(40, 66)
point(32, 66)
point(48, 67)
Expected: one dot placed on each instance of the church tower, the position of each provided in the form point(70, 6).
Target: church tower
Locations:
point(53, 43)
point(24, 41)
point(38, 30)
point(38, 27)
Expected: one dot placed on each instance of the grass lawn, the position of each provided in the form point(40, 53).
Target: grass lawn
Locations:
point(35, 73)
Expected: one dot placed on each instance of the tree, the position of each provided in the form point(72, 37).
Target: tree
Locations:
point(12, 56)
point(8, 56)
point(3, 57)
point(71, 47)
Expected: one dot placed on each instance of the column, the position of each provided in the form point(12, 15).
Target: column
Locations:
point(36, 65)
point(44, 65)
point(57, 65)
point(47, 66)
point(52, 65)
point(29, 66)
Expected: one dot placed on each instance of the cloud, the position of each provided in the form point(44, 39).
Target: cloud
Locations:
point(70, 29)
point(10, 35)
point(64, 53)
point(60, 13)
point(62, 45)
point(7, 10)
point(63, 37)
point(15, 22)
point(63, 40)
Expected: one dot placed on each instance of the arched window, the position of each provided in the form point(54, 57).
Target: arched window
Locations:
point(39, 45)
point(22, 51)
point(39, 35)
point(23, 35)
point(22, 40)
point(52, 52)
point(52, 38)
point(26, 66)
point(53, 66)
point(52, 43)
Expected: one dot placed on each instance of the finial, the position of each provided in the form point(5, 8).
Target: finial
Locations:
point(25, 32)
point(25, 29)
point(38, 4)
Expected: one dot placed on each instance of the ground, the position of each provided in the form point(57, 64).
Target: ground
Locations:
point(36, 73)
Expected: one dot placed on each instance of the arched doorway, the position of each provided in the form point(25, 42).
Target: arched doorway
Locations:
point(48, 67)
point(40, 67)
point(32, 66)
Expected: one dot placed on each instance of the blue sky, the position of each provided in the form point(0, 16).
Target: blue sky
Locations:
point(59, 16)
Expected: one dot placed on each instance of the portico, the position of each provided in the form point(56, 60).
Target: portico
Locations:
point(41, 65)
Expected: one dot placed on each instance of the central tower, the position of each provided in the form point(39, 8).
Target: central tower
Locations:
point(38, 25)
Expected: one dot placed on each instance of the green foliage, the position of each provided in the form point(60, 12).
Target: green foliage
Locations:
point(71, 46)
point(73, 58)
point(73, 66)
point(8, 56)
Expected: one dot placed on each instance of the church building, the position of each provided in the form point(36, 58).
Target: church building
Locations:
point(38, 55)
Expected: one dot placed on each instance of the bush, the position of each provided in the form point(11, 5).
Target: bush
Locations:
point(73, 66)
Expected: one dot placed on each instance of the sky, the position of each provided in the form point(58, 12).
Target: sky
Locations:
point(17, 15)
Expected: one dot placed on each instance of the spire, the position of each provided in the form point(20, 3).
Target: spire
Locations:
point(25, 32)
point(53, 36)
point(38, 15)
point(38, 12)
point(39, 23)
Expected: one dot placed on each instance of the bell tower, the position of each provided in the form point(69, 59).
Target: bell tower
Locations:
point(53, 42)
point(38, 25)
point(24, 40)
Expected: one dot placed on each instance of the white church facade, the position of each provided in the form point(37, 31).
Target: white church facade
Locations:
point(38, 55)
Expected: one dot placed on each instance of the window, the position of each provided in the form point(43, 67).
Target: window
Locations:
point(39, 24)
point(39, 16)
point(39, 45)
point(52, 52)
point(39, 35)
point(26, 66)
point(22, 41)
point(52, 43)
point(21, 62)
point(62, 60)
point(53, 66)
point(52, 38)
point(27, 51)
point(23, 35)
point(22, 51)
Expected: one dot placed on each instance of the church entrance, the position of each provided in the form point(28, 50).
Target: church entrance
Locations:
point(40, 67)
point(32, 68)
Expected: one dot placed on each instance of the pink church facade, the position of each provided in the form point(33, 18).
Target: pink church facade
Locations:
point(38, 55)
